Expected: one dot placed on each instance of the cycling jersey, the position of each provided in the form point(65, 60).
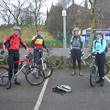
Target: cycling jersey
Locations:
point(14, 43)
point(38, 42)
point(98, 47)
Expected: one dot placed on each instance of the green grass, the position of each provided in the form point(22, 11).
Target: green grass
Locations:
point(27, 32)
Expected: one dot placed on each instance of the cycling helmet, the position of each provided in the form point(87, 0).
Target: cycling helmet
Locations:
point(64, 88)
point(76, 29)
point(17, 28)
point(39, 29)
point(98, 32)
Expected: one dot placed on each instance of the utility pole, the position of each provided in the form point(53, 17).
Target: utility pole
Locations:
point(93, 2)
point(64, 32)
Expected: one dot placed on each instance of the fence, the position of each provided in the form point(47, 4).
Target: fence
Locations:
point(49, 43)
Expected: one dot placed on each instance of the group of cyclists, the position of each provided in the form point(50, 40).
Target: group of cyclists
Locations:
point(76, 49)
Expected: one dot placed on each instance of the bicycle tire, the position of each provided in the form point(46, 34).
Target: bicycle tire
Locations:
point(47, 68)
point(93, 76)
point(106, 68)
point(70, 62)
point(31, 79)
point(3, 76)
point(55, 61)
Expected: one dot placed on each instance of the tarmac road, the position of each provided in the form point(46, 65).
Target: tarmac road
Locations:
point(55, 51)
point(82, 97)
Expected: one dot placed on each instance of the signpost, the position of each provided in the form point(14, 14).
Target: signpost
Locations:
point(64, 31)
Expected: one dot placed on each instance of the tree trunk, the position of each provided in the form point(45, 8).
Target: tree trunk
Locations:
point(92, 24)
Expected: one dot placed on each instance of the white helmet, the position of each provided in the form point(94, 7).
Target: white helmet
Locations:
point(76, 29)
point(17, 28)
point(98, 32)
point(64, 88)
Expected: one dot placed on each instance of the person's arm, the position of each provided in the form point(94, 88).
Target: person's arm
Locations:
point(24, 45)
point(33, 40)
point(4, 43)
point(71, 43)
point(103, 47)
point(94, 47)
point(82, 48)
point(43, 44)
point(32, 43)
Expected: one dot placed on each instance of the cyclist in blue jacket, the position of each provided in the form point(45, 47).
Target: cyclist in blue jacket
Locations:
point(99, 49)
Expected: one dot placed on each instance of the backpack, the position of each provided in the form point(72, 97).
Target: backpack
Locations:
point(79, 40)
point(106, 49)
point(12, 37)
point(62, 89)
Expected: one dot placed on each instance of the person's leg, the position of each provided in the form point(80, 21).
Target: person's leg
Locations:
point(36, 61)
point(10, 63)
point(79, 61)
point(98, 64)
point(73, 55)
point(101, 68)
point(16, 58)
point(36, 57)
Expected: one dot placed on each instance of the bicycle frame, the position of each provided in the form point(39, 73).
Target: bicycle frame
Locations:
point(84, 59)
point(42, 61)
point(27, 62)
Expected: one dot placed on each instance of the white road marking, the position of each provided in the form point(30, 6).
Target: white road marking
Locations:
point(39, 101)
point(107, 78)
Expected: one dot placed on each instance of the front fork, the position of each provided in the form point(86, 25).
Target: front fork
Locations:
point(43, 65)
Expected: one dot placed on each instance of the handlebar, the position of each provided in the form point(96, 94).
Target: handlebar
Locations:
point(29, 56)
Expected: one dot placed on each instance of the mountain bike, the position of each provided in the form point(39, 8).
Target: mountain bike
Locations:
point(94, 74)
point(45, 65)
point(28, 71)
point(83, 58)
point(54, 60)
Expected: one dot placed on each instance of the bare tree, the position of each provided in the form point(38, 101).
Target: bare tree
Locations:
point(4, 14)
point(14, 9)
point(35, 6)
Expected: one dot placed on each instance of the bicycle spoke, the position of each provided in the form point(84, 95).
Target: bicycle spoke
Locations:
point(55, 61)
point(3, 76)
point(47, 68)
point(35, 75)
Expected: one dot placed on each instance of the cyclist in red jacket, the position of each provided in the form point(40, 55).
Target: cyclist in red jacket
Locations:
point(13, 50)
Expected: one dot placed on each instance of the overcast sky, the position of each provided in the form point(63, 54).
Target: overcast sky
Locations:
point(48, 4)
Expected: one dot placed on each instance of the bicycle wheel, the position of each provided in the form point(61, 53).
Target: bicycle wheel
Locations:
point(47, 68)
point(70, 61)
point(3, 76)
point(55, 61)
point(106, 68)
point(31, 79)
point(93, 76)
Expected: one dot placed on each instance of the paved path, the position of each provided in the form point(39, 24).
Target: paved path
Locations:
point(55, 51)
point(82, 97)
